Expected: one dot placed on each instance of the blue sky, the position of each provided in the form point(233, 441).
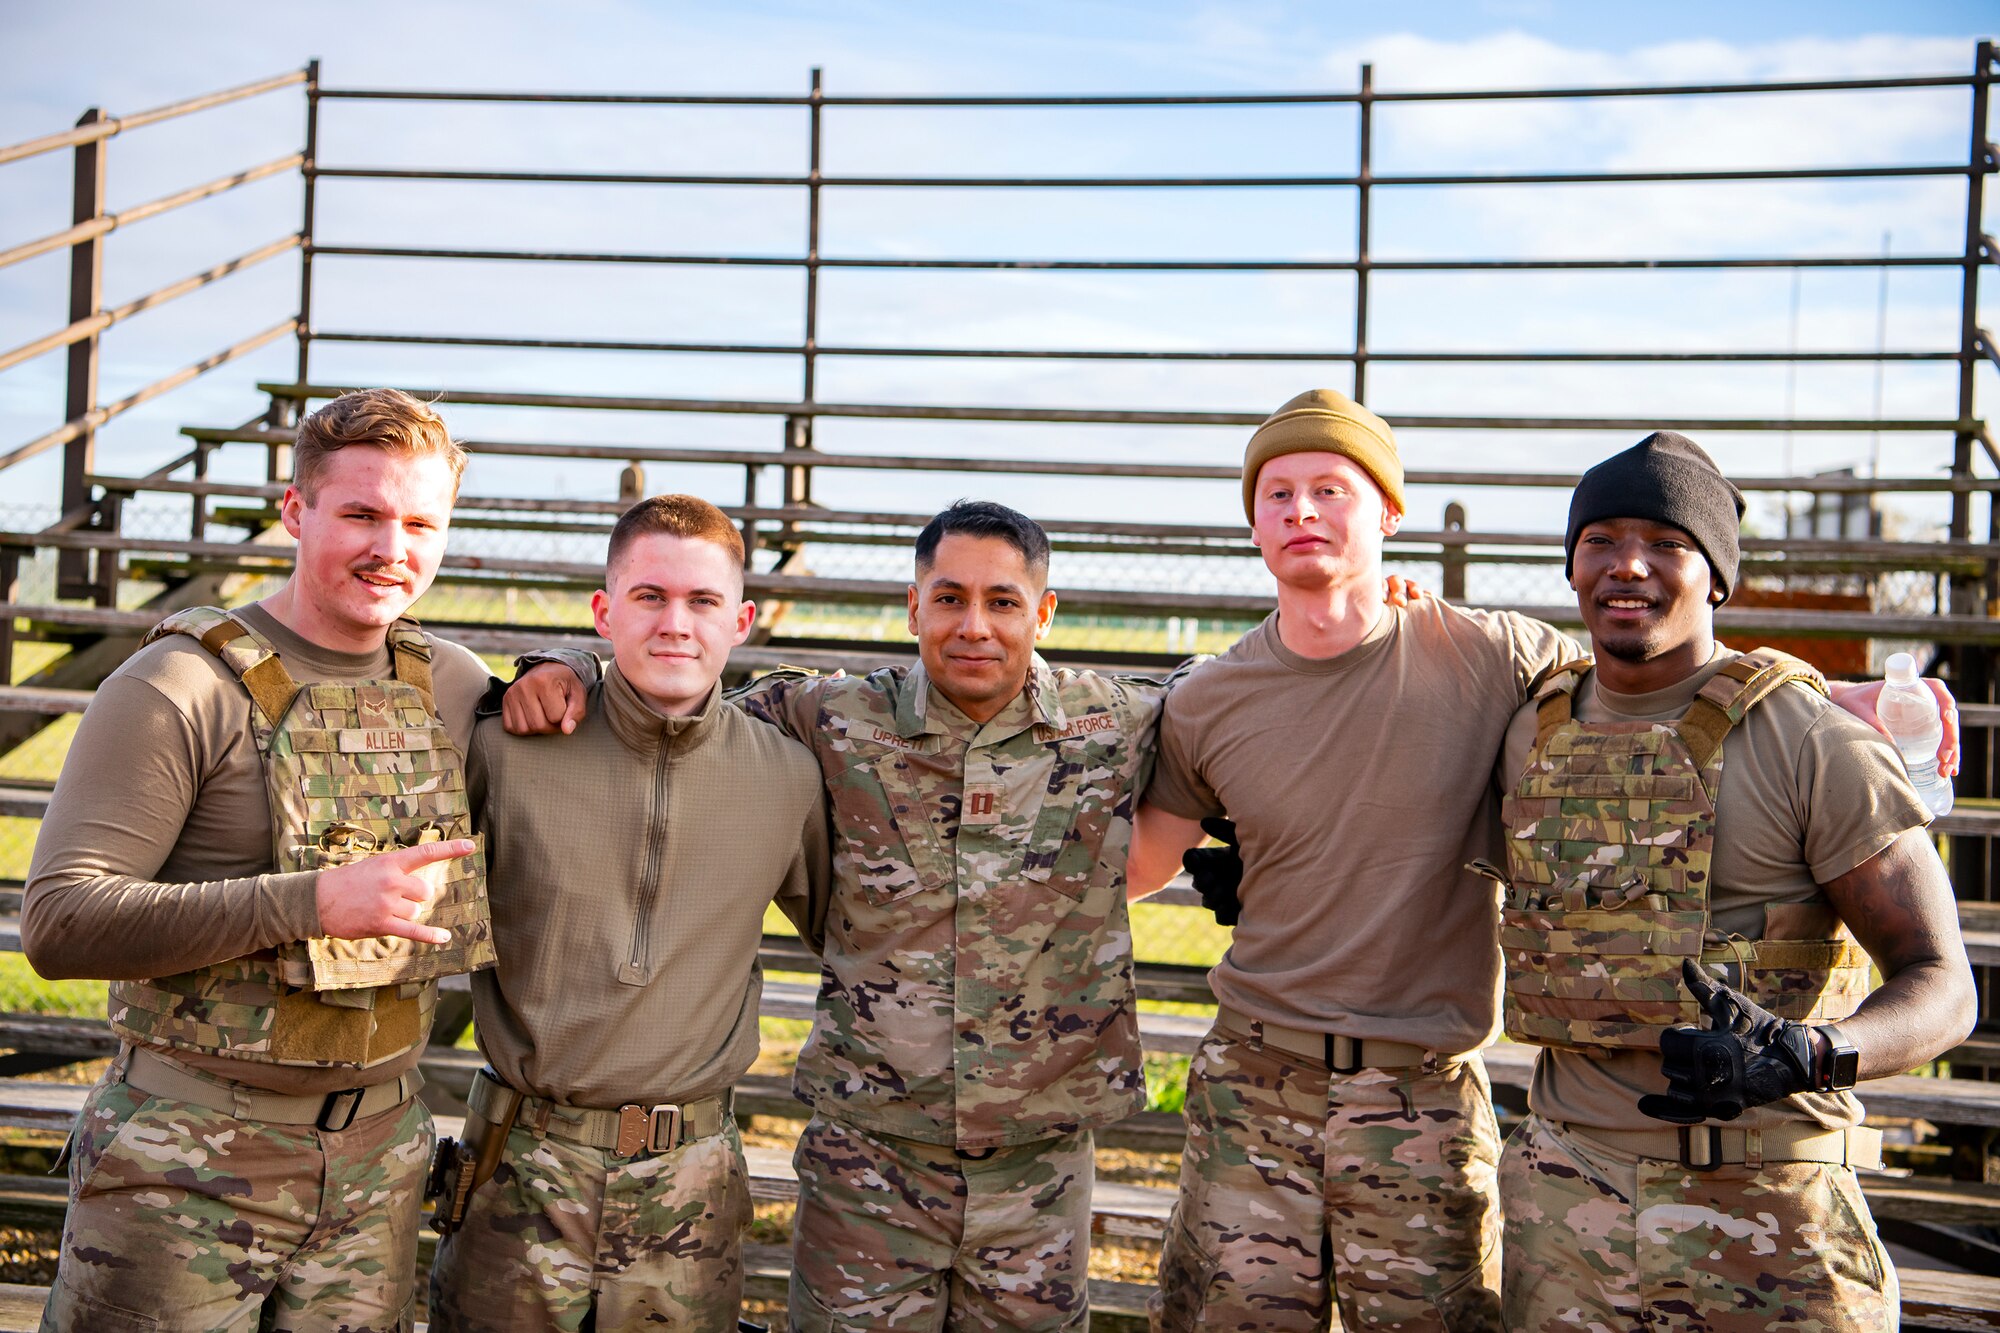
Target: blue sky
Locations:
point(132, 56)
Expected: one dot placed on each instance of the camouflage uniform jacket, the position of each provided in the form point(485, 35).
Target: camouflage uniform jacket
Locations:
point(976, 988)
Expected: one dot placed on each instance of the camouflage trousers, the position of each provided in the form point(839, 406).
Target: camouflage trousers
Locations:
point(565, 1237)
point(1300, 1188)
point(1603, 1241)
point(913, 1237)
point(181, 1217)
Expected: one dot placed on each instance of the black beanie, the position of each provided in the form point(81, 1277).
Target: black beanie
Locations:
point(1665, 478)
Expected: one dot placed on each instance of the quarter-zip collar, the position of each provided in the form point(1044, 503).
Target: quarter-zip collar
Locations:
point(644, 730)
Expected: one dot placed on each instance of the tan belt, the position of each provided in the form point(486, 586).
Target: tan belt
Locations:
point(1705, 1147)
point(632, 1130)
point(1342, 1055)
point(157, 1076)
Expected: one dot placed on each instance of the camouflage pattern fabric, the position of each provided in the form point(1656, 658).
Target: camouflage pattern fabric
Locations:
point(183, 1218)
point(353, 768)
point(1601, 1240)
point(918, 1238)
point(1300, 1189)
point(566, 1237)
point(1611, 831)
point(976, 988)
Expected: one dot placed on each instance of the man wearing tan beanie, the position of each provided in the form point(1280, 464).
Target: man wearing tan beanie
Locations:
point(1341, 1139)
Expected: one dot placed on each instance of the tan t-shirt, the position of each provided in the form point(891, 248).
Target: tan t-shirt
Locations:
point(629, 866)
point(1808, 793)
point(156, 853)
point(1359, 786)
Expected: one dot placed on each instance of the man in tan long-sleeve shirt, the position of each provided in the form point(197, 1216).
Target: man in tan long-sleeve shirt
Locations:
point(630, 866)
point(255, 1147)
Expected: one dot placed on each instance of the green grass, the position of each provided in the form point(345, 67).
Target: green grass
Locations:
point(1166, 1082)
point(23, 991)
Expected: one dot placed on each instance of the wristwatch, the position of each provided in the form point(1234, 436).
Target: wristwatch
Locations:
point(1842, 1064)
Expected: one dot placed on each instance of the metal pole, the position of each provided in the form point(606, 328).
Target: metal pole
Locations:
point(1364, 173)
point(750, 525)
point(799, 430)
point(798, 478)
point(1971, 859)
point(278, 463)
point(10, 588)
point(1978, 164)
point(1454, 555)
point(812, 243)
point(86, 297)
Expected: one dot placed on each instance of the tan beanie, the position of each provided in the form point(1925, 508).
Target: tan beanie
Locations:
point(1323, 421)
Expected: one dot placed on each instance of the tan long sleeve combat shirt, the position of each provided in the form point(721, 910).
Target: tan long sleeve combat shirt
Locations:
point(629, 866)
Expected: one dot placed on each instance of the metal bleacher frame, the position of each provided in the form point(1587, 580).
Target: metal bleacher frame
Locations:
point(95, 554)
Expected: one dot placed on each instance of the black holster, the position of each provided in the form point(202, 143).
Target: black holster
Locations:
point(460, 1167)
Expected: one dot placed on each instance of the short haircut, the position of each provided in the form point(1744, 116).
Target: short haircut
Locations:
point(386, 419)
point(687, 516)
point(984, 518)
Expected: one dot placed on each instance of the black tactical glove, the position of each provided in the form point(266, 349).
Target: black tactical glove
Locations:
point(1746, 1057)
point(1217, 871)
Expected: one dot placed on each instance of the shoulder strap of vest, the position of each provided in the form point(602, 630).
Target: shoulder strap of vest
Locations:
point(411, 654)
point(1555, 691)
point(1733, 691)
point(256, 664)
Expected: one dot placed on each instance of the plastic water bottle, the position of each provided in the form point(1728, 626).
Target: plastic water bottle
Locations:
point(1910, 711)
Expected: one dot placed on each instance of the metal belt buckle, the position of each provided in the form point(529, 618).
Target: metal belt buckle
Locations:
point(1710, 1147)
point(1343, 1054)
point(340, 1106)
point(639, 1130)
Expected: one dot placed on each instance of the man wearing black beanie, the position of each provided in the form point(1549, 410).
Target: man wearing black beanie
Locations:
point(1667, 478)
point(1696, 838)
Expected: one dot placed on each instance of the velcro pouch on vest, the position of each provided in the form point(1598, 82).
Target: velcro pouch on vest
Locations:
point(309, 1030)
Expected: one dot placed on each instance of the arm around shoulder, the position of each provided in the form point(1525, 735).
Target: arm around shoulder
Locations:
point(785, 699)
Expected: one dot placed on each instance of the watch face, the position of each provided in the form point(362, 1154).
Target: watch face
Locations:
point(1846, 1065)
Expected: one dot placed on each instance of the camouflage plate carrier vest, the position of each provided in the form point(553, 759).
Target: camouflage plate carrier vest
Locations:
point(352, 768)
point(1611, 832)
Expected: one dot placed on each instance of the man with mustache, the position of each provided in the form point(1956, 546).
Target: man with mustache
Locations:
point(260, 837)
point(1697, 834)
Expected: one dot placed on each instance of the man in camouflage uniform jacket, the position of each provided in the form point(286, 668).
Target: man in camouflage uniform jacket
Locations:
point(976, 1015)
